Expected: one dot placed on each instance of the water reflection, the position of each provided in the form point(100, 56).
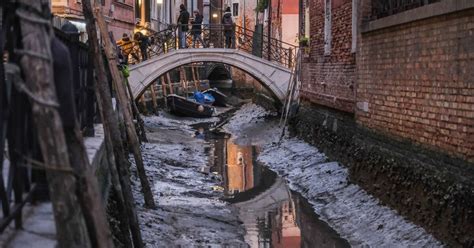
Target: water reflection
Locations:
point(239, 169)
point(272, 214)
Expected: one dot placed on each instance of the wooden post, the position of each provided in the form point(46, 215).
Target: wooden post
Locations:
point(37, 67)
point(124, 103)
point(142, 102)
point(153, 98)
point(184, 80)
point(163, 86)
point(170, 83)
point(119, 171)
point(198, 79)
point(141, 124)
point(194, 78)
point(163, 90)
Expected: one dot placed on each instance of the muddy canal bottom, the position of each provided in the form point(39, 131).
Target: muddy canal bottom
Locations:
point(272, 214)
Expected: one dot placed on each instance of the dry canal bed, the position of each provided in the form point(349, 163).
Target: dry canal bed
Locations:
point(241, 186)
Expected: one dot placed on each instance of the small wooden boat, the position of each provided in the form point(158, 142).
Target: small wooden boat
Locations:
point(220, 98)
point(179, 105)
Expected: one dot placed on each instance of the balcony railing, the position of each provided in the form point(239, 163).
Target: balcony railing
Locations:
point(384, 8)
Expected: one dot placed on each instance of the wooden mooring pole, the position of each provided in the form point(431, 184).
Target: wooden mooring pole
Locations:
point(64, 180)
point(124, 102)
point(170, 83)
point(114, 144)
point(154, 103)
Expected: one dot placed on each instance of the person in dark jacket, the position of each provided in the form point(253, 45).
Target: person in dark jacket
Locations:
point(183, 22)
point(142, 43)
point(197, 29)
point(228, 24)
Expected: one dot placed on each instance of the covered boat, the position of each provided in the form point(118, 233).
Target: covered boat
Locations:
point(204, 98)
point(179, 105)
point(220, 98)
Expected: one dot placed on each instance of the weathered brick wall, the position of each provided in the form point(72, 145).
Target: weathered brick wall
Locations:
point(418, 81)
point(122, 19)
point(329, 79)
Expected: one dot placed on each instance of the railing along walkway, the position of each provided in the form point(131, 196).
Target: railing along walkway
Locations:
point(213, 36)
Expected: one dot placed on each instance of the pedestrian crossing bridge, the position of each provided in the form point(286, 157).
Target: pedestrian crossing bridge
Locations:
point(268, 60)
point(273, 76)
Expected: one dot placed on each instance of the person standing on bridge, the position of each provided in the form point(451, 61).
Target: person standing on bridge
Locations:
point(196, 29)
point(228, 24)
point(126, 45)
point(183, 22)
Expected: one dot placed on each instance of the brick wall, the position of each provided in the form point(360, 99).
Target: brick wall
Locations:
point(329, 79)
point(122, 19)
point(417, 79)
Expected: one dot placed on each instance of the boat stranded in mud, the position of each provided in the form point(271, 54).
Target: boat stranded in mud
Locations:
point(198, 106)
point(181, 106)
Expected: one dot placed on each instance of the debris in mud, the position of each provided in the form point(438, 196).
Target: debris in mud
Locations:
point(189, 212)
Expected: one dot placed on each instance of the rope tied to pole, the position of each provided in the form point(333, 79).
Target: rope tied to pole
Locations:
point(31, 163)
point(23, 14)
point(21, 87)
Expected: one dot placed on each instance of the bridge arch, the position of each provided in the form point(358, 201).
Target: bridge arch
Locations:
point(273, 76)
point(212, 72)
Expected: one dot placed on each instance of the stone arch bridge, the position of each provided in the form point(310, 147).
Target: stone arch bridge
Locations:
point(273, 76)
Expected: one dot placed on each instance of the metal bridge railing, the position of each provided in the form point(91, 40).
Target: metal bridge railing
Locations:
point(213, 36)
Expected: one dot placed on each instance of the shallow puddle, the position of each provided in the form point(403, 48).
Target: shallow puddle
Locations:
point(272, 214)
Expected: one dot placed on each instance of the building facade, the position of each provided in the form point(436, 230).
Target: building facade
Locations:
point(279, 20)
point(417, 84)
point(329, 66)
point(387, 89)
point(408, 82)
point(118, 13)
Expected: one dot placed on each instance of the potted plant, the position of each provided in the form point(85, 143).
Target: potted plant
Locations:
point(304, 41)
point(261, 5)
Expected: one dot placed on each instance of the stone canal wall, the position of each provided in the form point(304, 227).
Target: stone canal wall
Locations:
point(95, 147)
point(430, 188)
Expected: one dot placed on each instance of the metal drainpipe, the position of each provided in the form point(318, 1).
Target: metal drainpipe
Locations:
point(170, 21)
point(243, 16)
point(269, 25)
